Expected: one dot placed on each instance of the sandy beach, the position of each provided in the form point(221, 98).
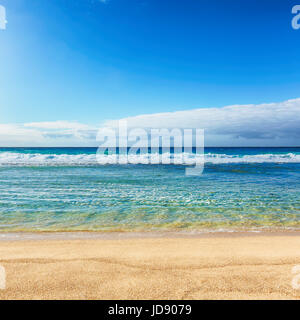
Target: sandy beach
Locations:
point(170, 266)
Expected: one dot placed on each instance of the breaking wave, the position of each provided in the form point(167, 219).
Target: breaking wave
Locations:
point(84, 159)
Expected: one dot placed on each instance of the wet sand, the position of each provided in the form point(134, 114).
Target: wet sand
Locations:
point(150, 266)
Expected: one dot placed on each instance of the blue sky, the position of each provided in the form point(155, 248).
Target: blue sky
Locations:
point(91, 61)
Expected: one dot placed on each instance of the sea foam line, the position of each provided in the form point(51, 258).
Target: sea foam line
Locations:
point(38, 159)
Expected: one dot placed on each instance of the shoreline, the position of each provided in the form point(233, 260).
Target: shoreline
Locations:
point(119, 235)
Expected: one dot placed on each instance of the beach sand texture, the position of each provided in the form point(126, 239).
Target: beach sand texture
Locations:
point(212, 267)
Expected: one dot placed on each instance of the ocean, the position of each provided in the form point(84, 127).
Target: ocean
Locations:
point(65, 189)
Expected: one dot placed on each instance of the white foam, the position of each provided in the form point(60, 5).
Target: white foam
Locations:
point(257, 158)
point(38, 159)
point(14, 158)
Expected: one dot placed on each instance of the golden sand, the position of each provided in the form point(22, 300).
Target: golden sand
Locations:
point(212, 267)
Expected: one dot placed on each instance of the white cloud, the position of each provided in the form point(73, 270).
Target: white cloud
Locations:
point(56, 133)
point(274, 124)
point(74, 125)
point(237, 125)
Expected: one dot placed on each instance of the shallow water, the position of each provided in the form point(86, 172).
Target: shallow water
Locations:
point(62, 189)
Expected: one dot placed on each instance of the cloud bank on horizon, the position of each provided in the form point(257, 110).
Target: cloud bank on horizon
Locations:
point(272, 124)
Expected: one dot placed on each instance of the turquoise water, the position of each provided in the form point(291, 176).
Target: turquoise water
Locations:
point(65, 189)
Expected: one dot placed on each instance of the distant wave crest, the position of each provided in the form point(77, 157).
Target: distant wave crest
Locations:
point(216, 158)
point(39, 159)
